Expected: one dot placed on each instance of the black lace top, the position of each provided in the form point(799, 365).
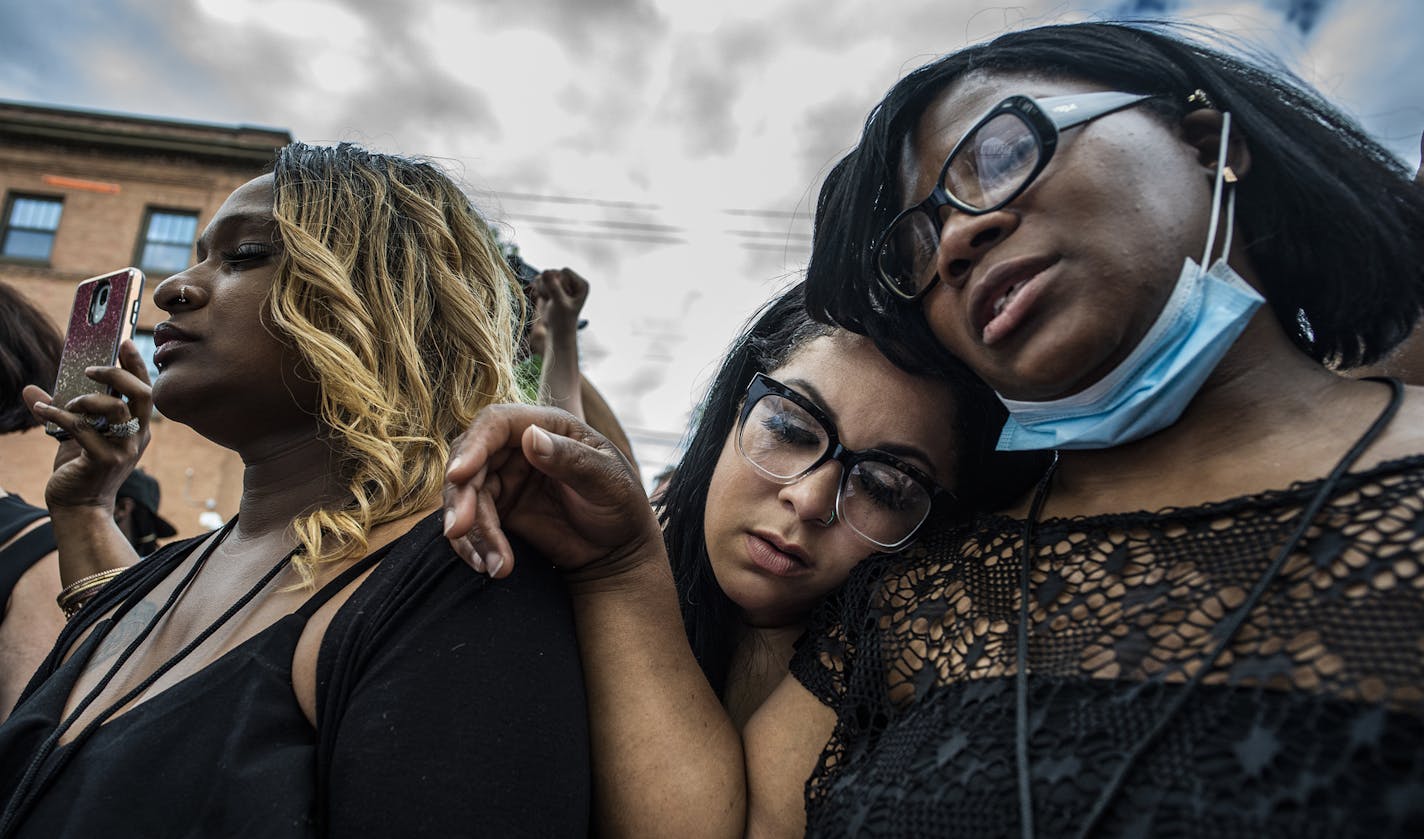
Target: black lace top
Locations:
point(1311, 723)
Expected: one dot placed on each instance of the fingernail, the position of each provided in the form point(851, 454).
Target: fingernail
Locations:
point(543, 443)
point(476, 561)
point(449, 521)
point(454, 464)
point(493, 562)
point(41, 406)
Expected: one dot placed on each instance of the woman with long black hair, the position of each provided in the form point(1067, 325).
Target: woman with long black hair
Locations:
point(1206, 619)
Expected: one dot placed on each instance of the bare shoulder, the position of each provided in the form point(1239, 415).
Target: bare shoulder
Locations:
point(1405, 435)
point(783, 743)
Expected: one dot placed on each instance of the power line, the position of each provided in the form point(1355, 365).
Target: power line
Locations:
point(769, 234)
point(608, 237)
point(571, 199)
point(536, 197)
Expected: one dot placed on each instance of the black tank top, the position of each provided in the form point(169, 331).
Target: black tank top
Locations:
point(239, 710)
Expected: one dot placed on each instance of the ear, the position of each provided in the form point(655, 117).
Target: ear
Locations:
point(1201, 129)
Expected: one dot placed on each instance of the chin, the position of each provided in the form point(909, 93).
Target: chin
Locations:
point(1062, 370)
point(165, 401)
point(770, 609)
point(175, 401)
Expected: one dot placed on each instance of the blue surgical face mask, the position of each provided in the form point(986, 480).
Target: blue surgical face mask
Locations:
point(1149, 390)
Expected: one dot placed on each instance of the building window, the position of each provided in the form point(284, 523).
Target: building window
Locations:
point(167, 241)
point(30, 223)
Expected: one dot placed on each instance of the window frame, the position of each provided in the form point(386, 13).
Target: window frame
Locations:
point(143, 241)
point(11, 197)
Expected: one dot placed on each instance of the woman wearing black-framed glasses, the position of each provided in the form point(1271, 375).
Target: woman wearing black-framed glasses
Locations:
point(811, 454)
point(1156, 640)
point(756, 519)
point(1205, 621)
point(770, 511)
point(995, 160)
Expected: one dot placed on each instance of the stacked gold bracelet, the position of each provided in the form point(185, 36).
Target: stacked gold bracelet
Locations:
point(77, 593)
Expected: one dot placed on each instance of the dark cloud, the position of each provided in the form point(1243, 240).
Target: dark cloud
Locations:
point(33, 57)
point(610, 38)
point(828, 130)
point(421, 102)
point(604, 116)
point(1301, 15)
point(579, 25)
point(700, 100)
point(74, 53)
point(709, 75)
point(1378, 88)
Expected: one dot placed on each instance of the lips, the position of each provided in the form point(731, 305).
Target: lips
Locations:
point(999, 301)
point(776, 556)
point(167, 338)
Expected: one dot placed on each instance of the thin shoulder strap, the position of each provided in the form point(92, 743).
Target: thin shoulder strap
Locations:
point(17, 557)
point(316, 601)
point(20, 521)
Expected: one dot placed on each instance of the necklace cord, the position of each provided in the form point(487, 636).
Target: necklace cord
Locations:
point(1021, 758)
point(24, 791)
point(33, 782)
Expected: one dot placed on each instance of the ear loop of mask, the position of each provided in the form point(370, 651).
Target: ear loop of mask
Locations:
point(1224, 177)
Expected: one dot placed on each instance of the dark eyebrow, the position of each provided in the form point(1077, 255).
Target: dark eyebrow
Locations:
point(237, 220)
point(901, 450)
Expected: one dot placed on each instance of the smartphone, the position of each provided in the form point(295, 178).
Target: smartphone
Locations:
point(104, 315)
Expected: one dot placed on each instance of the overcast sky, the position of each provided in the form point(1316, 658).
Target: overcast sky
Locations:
point(669, 151)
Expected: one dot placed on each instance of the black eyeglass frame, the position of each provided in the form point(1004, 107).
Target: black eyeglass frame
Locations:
point(1045, 118)
point(762, 386)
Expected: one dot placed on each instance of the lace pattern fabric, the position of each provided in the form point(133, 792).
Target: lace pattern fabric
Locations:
point(1308, 724)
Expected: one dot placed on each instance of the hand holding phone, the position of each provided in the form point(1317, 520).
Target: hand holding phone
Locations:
point(100, 410)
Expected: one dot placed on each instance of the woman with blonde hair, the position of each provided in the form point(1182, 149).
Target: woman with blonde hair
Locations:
point(321, 665)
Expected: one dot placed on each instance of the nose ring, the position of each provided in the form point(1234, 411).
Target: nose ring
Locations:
point(182, 294)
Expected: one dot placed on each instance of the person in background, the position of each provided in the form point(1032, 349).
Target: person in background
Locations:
point(29, 568)
point(558, 297)
point(660, 484)
point(136, 513)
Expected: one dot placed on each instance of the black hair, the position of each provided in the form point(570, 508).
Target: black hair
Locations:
point(29, 355)
point(710, 617)
point(774, 334)
point(1330, 219)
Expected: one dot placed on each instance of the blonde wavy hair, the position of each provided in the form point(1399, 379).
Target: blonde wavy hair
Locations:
point(395, 293)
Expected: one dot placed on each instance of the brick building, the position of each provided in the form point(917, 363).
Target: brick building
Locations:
point(85, 192)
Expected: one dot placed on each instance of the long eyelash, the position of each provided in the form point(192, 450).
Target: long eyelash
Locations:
point(788, 431)
point(884, 494)
point(246, 252)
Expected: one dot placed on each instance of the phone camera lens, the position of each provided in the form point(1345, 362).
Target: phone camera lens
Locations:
point(99, 303)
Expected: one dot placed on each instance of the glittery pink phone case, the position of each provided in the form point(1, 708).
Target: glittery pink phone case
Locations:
point(104, 314)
